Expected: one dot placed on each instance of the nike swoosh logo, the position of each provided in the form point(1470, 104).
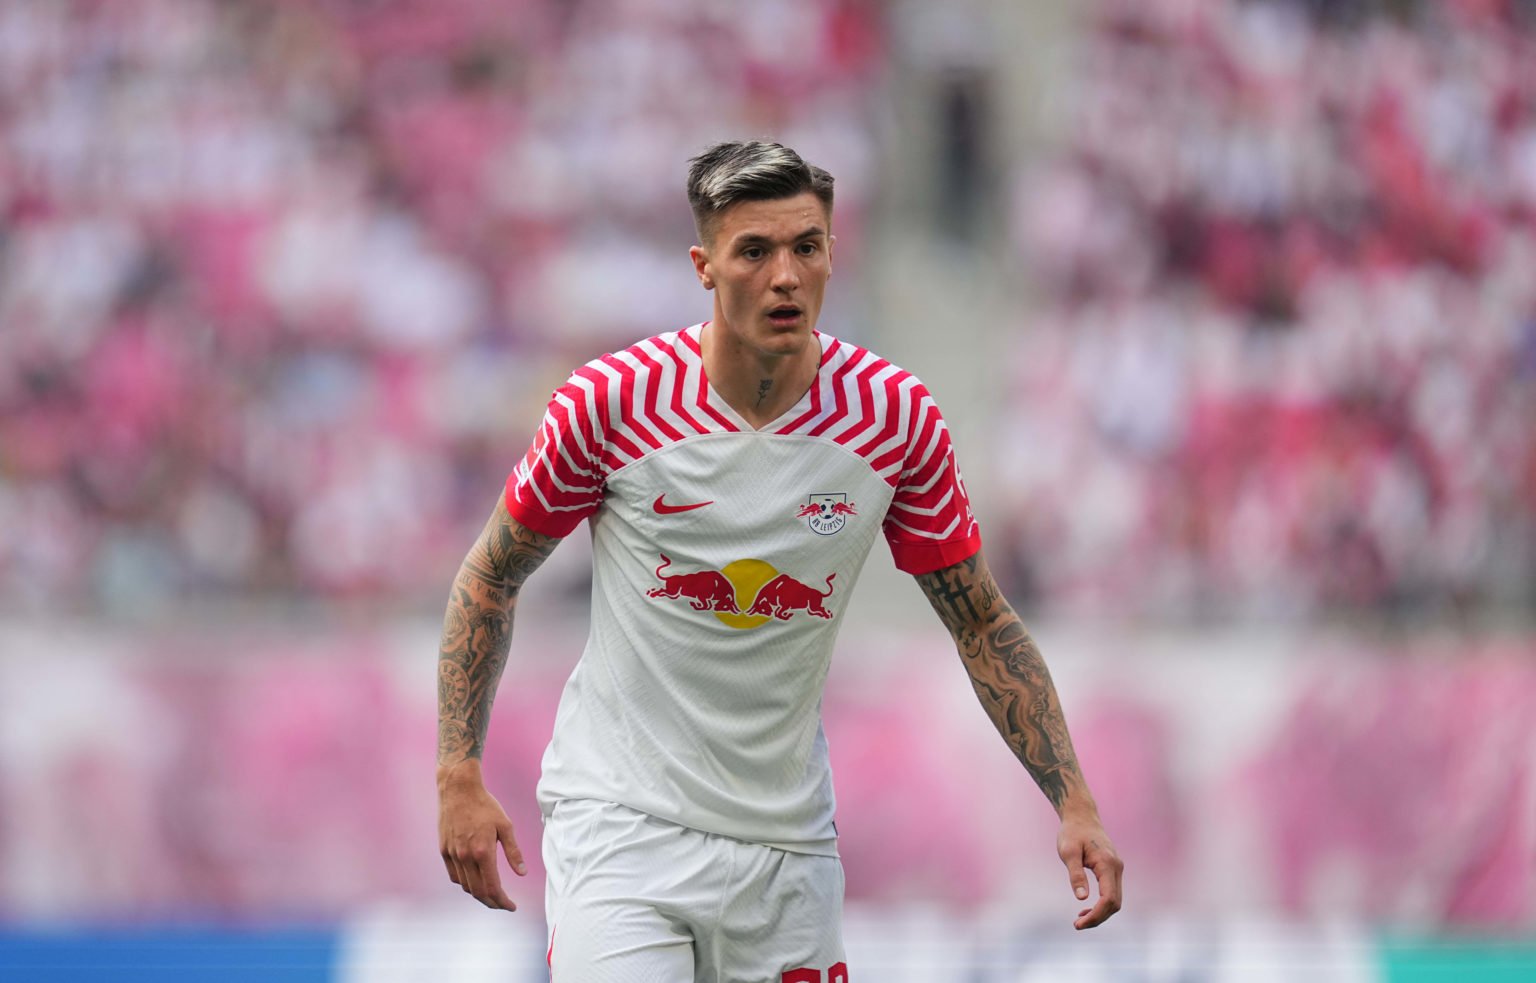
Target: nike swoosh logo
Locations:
point(662, 508)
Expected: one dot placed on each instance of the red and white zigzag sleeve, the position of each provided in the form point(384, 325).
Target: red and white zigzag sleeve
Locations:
point(559, 482)
point(930, 525)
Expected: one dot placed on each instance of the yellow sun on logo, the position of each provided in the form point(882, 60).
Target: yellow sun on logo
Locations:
point(748, 577)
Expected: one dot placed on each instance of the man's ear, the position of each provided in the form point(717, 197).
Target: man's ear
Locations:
point(701, 266)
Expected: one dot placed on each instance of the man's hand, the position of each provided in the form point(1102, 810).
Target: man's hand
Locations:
point(470, 823)
point(1084, 846)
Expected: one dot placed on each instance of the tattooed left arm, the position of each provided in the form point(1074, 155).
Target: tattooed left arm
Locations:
point(1014, 686)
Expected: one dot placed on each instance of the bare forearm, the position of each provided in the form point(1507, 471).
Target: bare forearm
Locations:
point(1014, 686)
point(477, 633)
point(1010, 678)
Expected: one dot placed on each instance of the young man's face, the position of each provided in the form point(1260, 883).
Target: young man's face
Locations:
point(768, 263)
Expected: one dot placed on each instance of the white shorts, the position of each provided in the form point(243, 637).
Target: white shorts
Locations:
point(634, 899)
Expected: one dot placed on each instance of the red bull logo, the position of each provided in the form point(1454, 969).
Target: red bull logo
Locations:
point(782, 596)
point(827, 512)
point(702, 589)
point(743, 594)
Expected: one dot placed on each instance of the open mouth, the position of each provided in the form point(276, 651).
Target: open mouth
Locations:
point(784, 314)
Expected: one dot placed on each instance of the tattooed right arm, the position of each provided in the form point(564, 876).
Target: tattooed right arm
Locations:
point(477, 631)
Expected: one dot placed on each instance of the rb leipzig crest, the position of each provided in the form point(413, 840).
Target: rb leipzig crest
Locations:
point(827, 512)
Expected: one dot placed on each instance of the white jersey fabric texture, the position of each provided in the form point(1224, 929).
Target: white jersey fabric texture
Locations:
point(723, 558)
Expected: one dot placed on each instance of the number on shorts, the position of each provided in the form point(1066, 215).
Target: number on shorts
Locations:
point(837, 974)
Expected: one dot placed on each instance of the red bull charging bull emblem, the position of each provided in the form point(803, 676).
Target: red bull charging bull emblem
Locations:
point(743, 594)
point(827, 512)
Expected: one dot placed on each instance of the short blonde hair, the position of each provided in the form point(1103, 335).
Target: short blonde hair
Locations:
point(753, 170)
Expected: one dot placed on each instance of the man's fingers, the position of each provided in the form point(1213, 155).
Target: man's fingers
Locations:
point(466, 879)
point(1108, 870)
point(1076, 875)
point(471, 823)
point(469, 873)
point(490, 894)
point(477, 874)
point(1097, 915)
point(455, 871)
point(473, 868)
point(510, 848)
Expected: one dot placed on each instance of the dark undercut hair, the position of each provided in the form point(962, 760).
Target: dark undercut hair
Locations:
point(728, 173)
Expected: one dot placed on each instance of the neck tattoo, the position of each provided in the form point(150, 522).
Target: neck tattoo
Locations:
point(762, 390)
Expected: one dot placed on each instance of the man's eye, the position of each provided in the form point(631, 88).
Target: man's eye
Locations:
point(807, 248)
point(752, 252)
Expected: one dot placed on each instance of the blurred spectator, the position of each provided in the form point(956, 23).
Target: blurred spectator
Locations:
point(1281, 360)
point(285, 285)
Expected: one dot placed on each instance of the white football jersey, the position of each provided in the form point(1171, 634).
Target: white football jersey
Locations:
point(723, 560)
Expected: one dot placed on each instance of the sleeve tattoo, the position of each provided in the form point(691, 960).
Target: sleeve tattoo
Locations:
point(477, 631)
point(1007, 672)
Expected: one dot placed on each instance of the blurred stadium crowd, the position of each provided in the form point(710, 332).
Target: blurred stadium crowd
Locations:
point(284, 285)
point(1284, 361)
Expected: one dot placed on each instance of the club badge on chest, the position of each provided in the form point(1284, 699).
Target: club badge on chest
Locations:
point(826, 512)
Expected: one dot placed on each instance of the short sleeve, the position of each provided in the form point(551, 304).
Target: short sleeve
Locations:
point(930, 524)
point(559, 482)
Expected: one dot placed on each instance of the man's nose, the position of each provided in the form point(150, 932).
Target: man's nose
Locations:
point(786, 276)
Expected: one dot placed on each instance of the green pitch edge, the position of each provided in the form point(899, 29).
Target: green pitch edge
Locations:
point(1459, 961)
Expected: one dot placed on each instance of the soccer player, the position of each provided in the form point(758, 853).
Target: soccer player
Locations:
point(734, 475)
